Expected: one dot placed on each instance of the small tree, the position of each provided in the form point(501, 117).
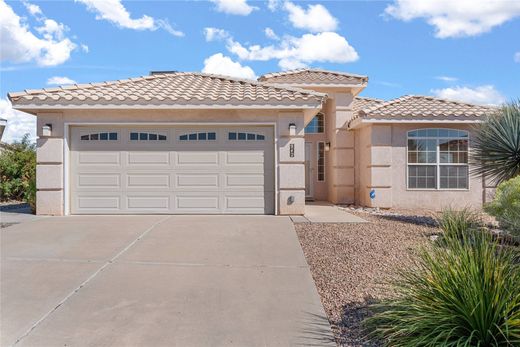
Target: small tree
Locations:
point(18, 171)
point(496, 152)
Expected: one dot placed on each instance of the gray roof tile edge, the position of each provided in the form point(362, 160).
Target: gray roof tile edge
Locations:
point(12, 95)
point(295, 71)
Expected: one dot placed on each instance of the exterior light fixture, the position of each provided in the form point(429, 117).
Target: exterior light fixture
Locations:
point(292, 129)
point(47, 130)
point(327, 146)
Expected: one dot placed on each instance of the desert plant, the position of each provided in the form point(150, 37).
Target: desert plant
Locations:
point(458, 223)
point(505, 207)
point(461, 294)
point(17, 169)
point(496, 148)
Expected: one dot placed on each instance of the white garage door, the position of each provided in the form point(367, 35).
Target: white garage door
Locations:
point(209, 170)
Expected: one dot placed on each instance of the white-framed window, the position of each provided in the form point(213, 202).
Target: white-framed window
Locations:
point(243, 136)
point(321, 161)
point(147, 136)
point(438, 159)
point(100, 136)
point(202, 136)
point(317, 125)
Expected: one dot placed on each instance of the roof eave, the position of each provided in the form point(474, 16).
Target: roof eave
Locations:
point(361, 122)
point(33, 108)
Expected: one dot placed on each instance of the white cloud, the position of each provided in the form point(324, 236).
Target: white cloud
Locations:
point(84, 48)
point(315, 19)
point(456, 18)
point(222, 65)
point(60, 80)
point(19, 45)
point(296, 52)
point(517, 57)
point(214, 34)
point(447, 78)
point(32, 8)
point(51, 29)
point(484, 95)
point(238, 7)
point(18, 123)
point(273, 5)
point(166, 26)
point(271, 34)
point(114, 12)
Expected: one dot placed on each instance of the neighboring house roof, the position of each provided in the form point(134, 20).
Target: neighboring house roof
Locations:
point(362, 102)
point(314, 77)
point(423, 108)
point(170, 90)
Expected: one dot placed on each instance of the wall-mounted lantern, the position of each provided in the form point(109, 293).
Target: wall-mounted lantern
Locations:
point(327, 146)
point(47, 130)
point(292, 129)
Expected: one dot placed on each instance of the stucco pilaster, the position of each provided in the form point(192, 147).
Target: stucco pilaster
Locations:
point(291, 164)
point(49, 168)
point(341, 154)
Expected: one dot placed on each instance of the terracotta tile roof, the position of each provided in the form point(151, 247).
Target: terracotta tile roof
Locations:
point(178, 89)
point(314, 77)
point(415, 107)
point(362, 102)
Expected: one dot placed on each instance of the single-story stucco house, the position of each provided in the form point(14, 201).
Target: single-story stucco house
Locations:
point(181, 143)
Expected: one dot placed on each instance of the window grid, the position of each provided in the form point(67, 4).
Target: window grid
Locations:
point(451, 159)
point(316, 126)
point(104, 136)
point(240, 136)
point(203, 136)
point(321, 161)
point(145, 136)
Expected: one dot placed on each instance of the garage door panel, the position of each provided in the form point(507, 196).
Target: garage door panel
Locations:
point(244, 180)
point(148, 158)
point(244, 158)
point(196, 180)
point(189, 158)
point(151, 202)
point(95, 180)
point(143, 180)
point(100, 203)
point(191, 202)
point(99, 158)
point(173, 176)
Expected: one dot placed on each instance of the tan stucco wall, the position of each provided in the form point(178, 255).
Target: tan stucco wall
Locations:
point(382, 151)
point(339, 184)
point(50, 180)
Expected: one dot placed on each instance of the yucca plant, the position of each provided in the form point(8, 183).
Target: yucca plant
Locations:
point(496, 148)
point(458, 294)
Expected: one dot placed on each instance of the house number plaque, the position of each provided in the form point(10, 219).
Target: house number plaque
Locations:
point(291, 150)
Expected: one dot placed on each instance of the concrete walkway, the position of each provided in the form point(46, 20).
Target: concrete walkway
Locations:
point(325, 212)
point(158, 281)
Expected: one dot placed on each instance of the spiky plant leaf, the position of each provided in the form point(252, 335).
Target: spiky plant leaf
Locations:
point(496, 152)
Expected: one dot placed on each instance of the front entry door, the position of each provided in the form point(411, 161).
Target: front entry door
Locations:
point(309, 185)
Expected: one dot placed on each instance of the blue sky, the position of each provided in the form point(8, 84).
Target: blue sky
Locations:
point(469, 51)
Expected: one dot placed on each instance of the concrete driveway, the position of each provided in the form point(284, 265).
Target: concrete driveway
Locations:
point(158, 281)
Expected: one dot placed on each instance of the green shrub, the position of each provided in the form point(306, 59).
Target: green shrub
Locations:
point(505, 207)
point(461, 294)
point(18, 171)
point(458, 223)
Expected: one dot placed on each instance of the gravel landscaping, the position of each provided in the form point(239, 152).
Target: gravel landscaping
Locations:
point(351, 262)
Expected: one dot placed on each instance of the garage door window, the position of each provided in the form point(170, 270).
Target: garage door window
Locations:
point(142, 136)
point(208, 136)
point(99, 137)
point(235, 136)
